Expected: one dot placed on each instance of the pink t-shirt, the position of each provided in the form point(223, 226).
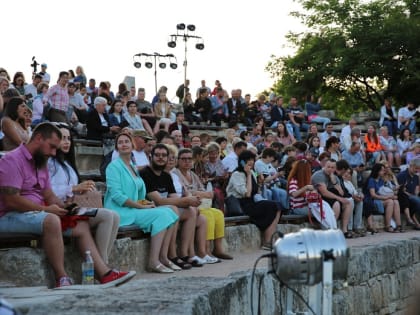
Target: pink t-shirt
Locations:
point(17, 170)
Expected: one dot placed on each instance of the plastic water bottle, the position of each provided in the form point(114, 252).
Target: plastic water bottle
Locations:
point(88, 271)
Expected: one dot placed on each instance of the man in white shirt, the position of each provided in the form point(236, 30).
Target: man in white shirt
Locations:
point(32, 88)
point(230, 162)
point(407, 117)
point(323, 137)
point(345, 138)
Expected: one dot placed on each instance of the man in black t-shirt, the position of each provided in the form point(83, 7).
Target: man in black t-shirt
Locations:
point(160, 189)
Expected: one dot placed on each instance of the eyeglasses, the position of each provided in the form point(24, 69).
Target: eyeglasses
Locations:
point(186, 159)
point(171, 158)
point(160, 155)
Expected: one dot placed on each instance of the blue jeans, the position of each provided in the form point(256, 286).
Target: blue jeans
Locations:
point(23, 222)
point(296, 129)
point(280, 195)
point(411, 126)
point(415, 205)
point(323, 120)
point(392, 126)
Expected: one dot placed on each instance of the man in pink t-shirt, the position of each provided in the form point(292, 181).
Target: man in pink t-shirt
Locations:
point(28, 205)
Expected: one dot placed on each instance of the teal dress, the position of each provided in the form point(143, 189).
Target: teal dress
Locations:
point(121, 186)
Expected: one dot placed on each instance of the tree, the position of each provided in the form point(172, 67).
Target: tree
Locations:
point(354, 51)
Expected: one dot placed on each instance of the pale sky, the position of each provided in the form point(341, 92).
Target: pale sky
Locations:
point(103, 37)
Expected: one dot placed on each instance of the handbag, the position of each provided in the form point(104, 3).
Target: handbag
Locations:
point(321, 210)
point(89, 199)
point(233, 207)
point(386, 191)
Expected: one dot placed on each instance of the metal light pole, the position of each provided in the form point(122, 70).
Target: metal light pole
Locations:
point(172, 62)
point(185, 32)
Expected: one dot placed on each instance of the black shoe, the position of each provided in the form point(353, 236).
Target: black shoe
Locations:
point(181, 263)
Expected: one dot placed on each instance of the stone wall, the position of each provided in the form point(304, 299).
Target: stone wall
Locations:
point(29, 267)
point(381, 280)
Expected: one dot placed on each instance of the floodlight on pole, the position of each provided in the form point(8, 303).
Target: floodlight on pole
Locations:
point(150, 62)
point(185, 32)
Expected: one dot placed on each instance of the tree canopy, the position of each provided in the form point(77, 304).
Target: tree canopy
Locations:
point(355, 52)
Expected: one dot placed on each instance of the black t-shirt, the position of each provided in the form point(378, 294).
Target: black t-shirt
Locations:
point(163, 184)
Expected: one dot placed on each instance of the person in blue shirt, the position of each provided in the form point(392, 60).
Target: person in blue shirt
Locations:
point(377, 202)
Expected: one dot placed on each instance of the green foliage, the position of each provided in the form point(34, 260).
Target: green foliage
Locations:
point(356, 53)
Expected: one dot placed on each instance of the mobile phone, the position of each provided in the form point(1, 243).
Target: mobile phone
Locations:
point(71, 206)
point(243, 163)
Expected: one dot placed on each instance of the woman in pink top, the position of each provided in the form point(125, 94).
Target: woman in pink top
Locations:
point(283, 135)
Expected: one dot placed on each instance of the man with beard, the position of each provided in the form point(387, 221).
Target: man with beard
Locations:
point(160, 189)
point(28, 205)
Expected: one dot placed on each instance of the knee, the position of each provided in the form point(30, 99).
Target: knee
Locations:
point(52, 223)
point(201, 219)
point(190, 213)
point(174, 209)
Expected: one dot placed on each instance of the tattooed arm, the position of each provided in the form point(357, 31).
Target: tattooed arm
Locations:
point(14, 201)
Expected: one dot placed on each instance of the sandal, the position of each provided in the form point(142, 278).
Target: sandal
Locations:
point(389, 229)
point(348, 234)
point(192, 263)
point(360, 232)
point(410, 223)
point(372, 230)
point(400, 229)
point(180, 263)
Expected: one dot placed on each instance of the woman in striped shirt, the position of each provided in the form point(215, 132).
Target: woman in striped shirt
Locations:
point(298, 183)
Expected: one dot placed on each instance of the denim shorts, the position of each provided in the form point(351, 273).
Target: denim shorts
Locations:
point(23, 222)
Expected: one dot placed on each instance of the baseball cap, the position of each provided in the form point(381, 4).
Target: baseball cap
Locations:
point(141, 133)
point(44, 65)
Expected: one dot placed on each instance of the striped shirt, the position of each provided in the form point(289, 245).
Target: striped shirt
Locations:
point(299, 201)
point(58, 97)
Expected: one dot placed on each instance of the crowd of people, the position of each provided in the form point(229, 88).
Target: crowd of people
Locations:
point(167, 180)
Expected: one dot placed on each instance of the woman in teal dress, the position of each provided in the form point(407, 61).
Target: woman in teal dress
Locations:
point(126, 193)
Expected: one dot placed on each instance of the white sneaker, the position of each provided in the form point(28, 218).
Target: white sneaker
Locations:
point(198, 260)
point(210, 260)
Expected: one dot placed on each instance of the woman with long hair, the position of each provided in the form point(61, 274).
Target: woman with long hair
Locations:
point(65, 184)
point(374, 152)
point(283, 135)
point(190, 111)
point(19, 83)
point(265, 214)
point(315, 142)
point(80, 76)
point(162, 113)
point(116, 117)
point(404, 142)
point(13, 124)
point(383, 204)
point(298, 184)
